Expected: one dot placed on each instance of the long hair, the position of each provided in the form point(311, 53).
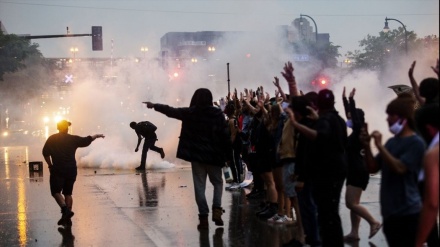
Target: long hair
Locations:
point(201, 97)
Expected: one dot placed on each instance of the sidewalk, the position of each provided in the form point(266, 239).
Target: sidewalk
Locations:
point(125, 208)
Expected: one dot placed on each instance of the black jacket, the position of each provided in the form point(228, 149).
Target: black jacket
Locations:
point(204, 135)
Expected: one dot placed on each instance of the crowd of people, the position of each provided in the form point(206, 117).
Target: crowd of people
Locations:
point(297, 147)
point(300, 153)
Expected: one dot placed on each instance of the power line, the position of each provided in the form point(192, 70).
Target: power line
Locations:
point(211, 13)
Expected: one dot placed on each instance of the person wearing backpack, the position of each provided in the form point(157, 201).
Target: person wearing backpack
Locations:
point(146, 130)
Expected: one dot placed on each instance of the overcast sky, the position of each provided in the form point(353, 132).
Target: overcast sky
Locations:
point(132, 24)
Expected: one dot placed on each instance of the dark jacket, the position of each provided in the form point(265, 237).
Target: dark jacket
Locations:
point(204, 134)
point(327, 153)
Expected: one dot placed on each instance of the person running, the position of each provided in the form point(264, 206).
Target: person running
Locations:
point(357, 176)
point(59, 154)
point(203, 141)
point(146, 130)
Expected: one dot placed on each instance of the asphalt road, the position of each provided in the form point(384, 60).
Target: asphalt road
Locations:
point(126, 208)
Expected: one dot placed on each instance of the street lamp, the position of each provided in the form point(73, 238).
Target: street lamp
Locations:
point(316, 27)
point(74, 50)
point(211, 48)
point(144, 50)
point(386, 29)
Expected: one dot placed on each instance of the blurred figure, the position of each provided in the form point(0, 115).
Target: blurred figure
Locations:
point(59, 154)
point(399, 161)
point(328, 161)
point(234, 130)
point(428, 125)
point(146, 130)
point(428, 90)
point(203, 141)
point(357, 176)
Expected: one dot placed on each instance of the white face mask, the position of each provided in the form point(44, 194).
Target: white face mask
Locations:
point(397, 127)
point(349, 123)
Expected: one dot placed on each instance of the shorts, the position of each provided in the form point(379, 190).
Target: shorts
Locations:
point(289, 182)
point(358, 178)
point(61, 181)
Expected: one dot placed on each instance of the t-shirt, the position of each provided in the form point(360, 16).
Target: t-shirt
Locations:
point(399, 194)
point(62, 147)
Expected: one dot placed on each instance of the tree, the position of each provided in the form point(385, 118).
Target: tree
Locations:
point(13, 53)
point(378, 50)
point(24, 73)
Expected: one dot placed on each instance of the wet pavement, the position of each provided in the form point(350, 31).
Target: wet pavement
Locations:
point(125, 208)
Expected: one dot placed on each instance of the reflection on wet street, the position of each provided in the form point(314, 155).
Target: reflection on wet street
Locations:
point(128, 208)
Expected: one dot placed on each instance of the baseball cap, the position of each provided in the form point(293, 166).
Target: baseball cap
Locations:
point(63, 124)
point(326, 99)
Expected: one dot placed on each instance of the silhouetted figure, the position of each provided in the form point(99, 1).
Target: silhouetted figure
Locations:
point(203, 141)
point(59, 153)
point(146, 130)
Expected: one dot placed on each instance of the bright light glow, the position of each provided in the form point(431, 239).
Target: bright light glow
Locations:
point(323, 82)
point(57, 119)
point(176, 74)
point(46, 119)
point(5, 133)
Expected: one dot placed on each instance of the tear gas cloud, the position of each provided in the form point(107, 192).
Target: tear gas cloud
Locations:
point(255, 58)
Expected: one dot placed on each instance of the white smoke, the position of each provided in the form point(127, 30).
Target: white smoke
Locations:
point(107, 106)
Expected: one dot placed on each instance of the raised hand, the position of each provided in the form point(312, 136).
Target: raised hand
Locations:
point(352, 93)
point(411, 71)
point(288, 72)
point(343, 93)
point(276, 82)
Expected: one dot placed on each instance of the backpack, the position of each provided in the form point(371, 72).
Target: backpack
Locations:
point(147, 128)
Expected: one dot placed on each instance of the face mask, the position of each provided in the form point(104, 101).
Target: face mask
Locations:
point(349, 123)
point(397, 127)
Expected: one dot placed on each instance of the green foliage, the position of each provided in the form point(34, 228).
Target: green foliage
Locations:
point(23, 70)
point(377, 50)
point(13, 53)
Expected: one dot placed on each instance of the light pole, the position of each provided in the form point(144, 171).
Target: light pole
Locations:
point(144, 50)
point(74, 50)
point(316, 27)
point(386, 29)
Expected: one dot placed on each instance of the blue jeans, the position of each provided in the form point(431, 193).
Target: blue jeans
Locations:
point(200, 172)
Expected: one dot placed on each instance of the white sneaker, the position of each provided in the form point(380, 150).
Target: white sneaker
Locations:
point(284, 220)
point(274, 218)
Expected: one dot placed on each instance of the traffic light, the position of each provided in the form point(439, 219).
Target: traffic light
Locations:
point(97, 38)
